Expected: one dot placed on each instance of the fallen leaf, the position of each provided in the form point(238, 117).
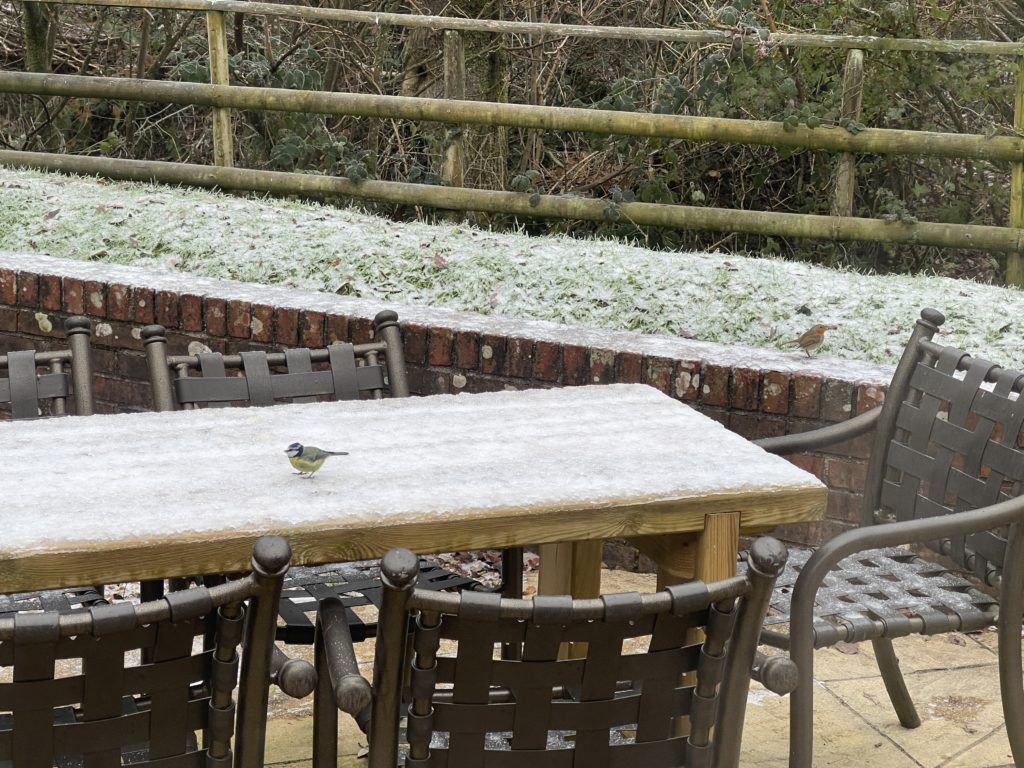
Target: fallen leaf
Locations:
point(850, 649)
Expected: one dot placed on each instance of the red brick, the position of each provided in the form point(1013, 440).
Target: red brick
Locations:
point(467, 350)
point(744, 394)
point(336, 326)
point(311, 327)
point(50, 293)
point(215, 316)
point(848, 475)
point(658, 373)
point(191, 307)
point(547, 361)
point(414, 339)
point(746, 423)
point(286, 321)
point(843, 506)
point(809, 463)
point(119, 305)
point(631, 367)
point(869, 396)
point(715, 390)
point(574, 364)
point(74, 295)
point(836, 400)
point(360, 330)
point(806, 395)
point(122, 392)
point(520, 358)
point(812, 533)
point(95, 298)
point(8, 319)
point(166, 309)
point(262, 323)
point(122, 336)
point(28, 290)
point(143, 304)
point(775, 392)
point(601, 363)
point(492, 354)
point(239, 319)
point(8, 287)
point(478, 383)
point(687, 380)
point(28, 323)
point(439, 346)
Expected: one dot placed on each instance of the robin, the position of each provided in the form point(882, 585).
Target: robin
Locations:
point(810, 339)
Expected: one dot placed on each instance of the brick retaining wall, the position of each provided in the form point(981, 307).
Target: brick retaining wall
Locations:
point(756, 393)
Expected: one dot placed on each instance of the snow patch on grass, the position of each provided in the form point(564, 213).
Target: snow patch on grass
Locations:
point(591, 283)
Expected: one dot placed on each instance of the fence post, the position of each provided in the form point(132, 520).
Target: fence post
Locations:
point(853, 98)
point(216, 32)
point(1014, 268)
point(453, 169)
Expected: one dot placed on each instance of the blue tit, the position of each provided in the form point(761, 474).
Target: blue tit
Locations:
point(308, 458)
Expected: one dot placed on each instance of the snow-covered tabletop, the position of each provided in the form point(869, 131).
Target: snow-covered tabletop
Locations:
point(111, 498)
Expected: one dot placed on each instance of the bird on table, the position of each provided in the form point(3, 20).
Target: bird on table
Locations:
point(308, 458)
point(811, 339)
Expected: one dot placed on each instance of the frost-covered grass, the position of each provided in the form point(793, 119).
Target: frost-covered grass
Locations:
point(713, 297)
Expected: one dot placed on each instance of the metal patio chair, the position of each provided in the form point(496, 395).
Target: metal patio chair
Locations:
point(341, 371)
point(31, 394)
point(74, 691)
point(618, 703)
point(37, 384)
point(945, 473)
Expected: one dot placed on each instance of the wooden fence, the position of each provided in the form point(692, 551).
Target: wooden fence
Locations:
point(841, 225)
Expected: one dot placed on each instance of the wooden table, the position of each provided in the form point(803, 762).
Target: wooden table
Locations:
point(110, 498)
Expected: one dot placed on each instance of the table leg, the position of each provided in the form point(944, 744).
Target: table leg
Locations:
point(570, 568)
point(718, 546)
point(574, 568)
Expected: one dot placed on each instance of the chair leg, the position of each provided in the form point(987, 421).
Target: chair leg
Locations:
point(896, 687)
point(1011, 675)
point(801, 704)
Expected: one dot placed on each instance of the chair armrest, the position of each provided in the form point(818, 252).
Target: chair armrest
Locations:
point(295, 677)
point(819, 438)
point(352, 692)
point(776, 673)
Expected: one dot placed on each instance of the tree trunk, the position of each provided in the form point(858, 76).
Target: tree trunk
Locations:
point(37, 32)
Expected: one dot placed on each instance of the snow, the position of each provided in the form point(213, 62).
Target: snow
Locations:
point(147, 477)
point(596, 287)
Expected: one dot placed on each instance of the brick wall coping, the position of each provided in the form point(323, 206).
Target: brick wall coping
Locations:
point(732, 356)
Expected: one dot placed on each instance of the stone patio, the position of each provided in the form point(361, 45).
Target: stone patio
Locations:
point(953, 679)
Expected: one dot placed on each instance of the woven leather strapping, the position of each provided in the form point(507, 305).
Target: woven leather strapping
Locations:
point(956, 448)
point(615, 706)
point(86, 699)
point(345, 377)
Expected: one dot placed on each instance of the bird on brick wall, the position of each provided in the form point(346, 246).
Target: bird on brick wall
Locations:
point(308, 458)
point(811, 338)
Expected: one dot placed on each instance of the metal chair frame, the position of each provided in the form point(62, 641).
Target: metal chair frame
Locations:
point(24, 387)
point(353, 370)
point(616, 707)
point(945, 472)
point(106, 707)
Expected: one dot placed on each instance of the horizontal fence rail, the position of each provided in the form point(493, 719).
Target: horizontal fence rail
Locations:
point(841, 226)
point(601, 121)
point(667, 35)
point(835, 228)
